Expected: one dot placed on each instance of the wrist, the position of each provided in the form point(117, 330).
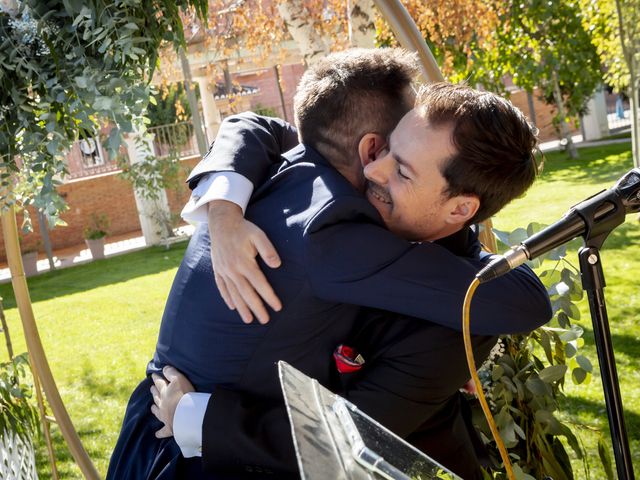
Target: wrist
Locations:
point(218, 209)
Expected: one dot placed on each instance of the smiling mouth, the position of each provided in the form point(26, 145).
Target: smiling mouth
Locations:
point(377, 193)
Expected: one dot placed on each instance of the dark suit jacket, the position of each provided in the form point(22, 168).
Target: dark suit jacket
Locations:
point(337, 256)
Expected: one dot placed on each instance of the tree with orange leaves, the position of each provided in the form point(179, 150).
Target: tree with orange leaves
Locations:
point(458, 33)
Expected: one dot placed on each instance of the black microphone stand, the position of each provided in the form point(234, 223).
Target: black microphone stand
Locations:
point(593, 282)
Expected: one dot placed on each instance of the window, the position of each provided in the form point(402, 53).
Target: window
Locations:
point(91, 150)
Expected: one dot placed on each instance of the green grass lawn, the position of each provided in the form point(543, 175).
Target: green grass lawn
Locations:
point(99, 322)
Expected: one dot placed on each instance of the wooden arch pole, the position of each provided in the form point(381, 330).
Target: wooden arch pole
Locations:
point(408, 35)
point(34, 346)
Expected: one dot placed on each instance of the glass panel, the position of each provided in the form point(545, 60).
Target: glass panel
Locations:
point(333, 439)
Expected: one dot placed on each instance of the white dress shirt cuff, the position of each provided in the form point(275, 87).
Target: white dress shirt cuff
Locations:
point(188, 421)
point(229, 186)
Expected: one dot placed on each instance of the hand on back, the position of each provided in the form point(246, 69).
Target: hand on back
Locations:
point(235, 243)
point(167, 393)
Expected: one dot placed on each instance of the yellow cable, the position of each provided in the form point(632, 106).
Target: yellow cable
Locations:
point(474, 375)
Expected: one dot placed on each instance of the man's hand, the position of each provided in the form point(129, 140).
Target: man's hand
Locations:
point(166, 396)
point(235, 242)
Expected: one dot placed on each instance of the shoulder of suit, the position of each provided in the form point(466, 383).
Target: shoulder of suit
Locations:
point(342, 209)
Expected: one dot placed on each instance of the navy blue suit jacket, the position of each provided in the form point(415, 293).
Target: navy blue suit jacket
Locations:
point(337, 257)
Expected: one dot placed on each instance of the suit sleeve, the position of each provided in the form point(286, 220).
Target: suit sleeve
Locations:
point(364, 264)
point(248, 144)
point(247, 433)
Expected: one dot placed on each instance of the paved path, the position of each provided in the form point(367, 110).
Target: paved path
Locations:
point(78, 254)
point(556, 145)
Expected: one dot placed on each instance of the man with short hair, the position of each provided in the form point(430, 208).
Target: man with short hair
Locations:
point(336, 255)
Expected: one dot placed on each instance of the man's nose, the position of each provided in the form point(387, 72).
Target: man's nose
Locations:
point(378, 170)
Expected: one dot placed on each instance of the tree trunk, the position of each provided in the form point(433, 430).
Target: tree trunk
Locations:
point(631, 59)
point(296, 18)
point(276, 70)
point(153, 210)
point(44, 232)
point(634, 101)
point(362, 29)
point(532, 109)
point(203, 148)
point(564, 128)
point(5, 330)
point(409, 37)
point(228, 83)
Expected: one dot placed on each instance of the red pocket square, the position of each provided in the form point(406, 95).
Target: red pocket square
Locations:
point(347, 359)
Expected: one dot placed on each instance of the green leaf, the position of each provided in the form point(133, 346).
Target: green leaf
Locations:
point(503, 237)
point(605, 458)
point(52, 147)
point(570, 349)
point(574, 312)
point(519, 431)
point(82, 82)
point(553, 373)
point(550, 277)
point(573, 441)
point(579, 375)
point(545, 341)
point(563, 320)
point(536, 386)
point(573, 334)
point(584, 363)
point(517, 236)
point(103, 103)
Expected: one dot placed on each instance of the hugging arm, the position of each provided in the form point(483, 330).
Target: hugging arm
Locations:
point(246, 148)
point(247, 144)
point(365, 264)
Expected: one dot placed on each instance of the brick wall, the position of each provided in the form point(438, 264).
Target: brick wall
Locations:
point(269, 96)
point(178, 197)
point(543, 111)
point(108, 194)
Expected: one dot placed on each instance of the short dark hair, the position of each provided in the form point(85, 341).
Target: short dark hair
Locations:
point(351, 93)
point(496, 147)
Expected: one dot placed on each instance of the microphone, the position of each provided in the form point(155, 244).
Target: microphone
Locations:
point(594, 217)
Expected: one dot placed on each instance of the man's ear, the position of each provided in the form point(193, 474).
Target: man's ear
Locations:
point(462, 209)
point(369, 146)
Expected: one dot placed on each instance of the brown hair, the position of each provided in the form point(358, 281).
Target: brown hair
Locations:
point(496, 147)
point(351, 93)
